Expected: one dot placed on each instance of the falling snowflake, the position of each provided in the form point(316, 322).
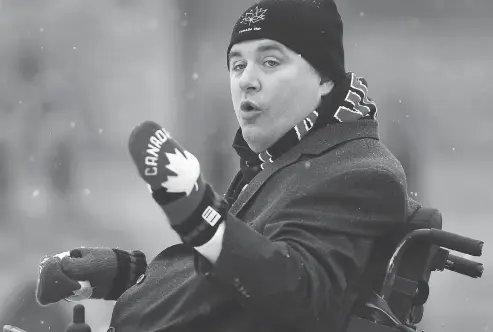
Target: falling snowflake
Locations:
point(74, 48)
point(86, 192)
point(41, 29)
point(100, 131)
point(254, 16)
point(362, 14)
point(36, 193)
point(72, 124)
point(195, 76)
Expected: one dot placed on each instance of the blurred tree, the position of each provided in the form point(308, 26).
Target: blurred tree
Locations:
point(28, 64)
point(5, 181)
point(59, 166)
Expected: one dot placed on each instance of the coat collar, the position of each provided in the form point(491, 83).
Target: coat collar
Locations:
point(316, 143)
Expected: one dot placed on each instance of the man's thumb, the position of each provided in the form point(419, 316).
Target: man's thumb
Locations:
point(75, 268)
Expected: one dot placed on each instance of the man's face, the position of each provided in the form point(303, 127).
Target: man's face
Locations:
point(272, 88)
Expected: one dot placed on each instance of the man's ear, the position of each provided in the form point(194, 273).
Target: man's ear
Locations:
point(326, 86)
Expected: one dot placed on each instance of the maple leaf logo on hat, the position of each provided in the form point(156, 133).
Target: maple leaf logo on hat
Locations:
point(254, 16)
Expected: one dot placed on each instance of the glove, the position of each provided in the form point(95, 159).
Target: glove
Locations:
point(174, 178)
point(109, 272)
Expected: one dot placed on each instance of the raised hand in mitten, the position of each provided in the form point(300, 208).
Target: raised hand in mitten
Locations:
point(109, 272)
point(173, 174)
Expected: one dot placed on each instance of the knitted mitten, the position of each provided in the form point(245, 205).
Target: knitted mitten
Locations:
point(109, 272)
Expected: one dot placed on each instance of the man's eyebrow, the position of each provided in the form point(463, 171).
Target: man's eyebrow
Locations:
point(262, 48)
point(234, 54)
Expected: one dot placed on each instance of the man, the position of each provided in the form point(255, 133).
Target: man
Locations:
point(287, 247)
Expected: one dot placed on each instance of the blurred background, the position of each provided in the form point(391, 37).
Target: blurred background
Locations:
point(76, 76)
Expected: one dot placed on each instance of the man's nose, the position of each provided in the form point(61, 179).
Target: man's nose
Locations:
point(249, 80)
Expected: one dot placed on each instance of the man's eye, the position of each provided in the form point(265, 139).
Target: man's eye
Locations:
point(271, 63)
point(239, 66)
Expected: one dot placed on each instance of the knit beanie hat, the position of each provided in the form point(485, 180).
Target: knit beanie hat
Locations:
point(312, 28)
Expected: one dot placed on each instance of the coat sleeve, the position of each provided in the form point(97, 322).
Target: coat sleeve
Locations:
point(296, 273)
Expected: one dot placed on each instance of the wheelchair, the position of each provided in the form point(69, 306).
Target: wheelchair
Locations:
point(399, 271)
point(394, 300)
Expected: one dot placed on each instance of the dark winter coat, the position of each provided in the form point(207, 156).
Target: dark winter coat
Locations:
point(296, 243)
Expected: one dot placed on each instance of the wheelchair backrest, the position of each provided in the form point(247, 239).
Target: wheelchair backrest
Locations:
point(411, 286)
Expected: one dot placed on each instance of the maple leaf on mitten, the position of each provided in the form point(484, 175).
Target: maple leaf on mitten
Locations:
point(183, 181)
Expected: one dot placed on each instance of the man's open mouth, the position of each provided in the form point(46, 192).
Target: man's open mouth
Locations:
point(248, 106)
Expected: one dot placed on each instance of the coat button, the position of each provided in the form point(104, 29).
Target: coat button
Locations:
point(111, 329)
point(141, 279)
